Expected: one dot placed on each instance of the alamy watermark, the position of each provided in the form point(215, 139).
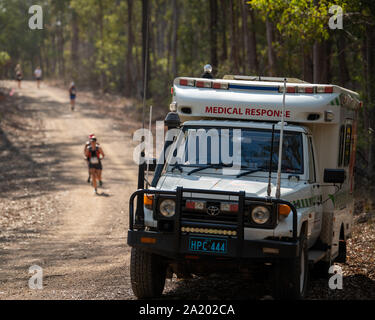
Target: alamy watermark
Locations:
point(36, 280)
point(336, 21)
point(36, 20)
point(335, 281)
point(190, 147)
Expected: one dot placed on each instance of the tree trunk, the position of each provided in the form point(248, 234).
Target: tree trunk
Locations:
point(233, 38)
point(54, 57)
point(322, 62)
point(249, 39)
point(75, 45)
point(129, 64)
point(317, 61)
point(318, 57)
point(213, 33)
point(145, 40)
point(244, 39)
point(271, 52)
point(224, 52)
point(370, 77)
point(101, 54)
point(344, 76)
point(307, 66)
point(174, 38)
point(253, 58)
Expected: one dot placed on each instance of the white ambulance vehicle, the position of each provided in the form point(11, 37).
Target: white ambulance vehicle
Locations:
point(202, 214)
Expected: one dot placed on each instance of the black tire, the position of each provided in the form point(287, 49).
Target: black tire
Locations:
point(292, 275)
point(147, 273)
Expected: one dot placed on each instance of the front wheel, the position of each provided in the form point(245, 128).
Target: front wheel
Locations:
point(147, 273)
point(292, 274)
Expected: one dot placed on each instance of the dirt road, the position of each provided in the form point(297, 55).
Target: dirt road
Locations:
point(50, 217)
point(83, 253)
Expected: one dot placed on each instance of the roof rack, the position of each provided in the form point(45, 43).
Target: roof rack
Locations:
point(261, 78)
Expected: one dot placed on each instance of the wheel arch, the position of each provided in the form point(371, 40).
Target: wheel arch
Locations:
point(304, 227)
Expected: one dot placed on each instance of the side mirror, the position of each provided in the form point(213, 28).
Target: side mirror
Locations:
point(334, 176)
point(151, 164)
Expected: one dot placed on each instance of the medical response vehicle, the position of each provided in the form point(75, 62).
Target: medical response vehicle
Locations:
point(215, 204)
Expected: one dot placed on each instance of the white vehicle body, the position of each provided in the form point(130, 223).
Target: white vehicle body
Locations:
point(325, 116)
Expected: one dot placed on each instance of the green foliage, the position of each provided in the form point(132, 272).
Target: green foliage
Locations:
point(4, 58)
point(88, 41)
point(298, 18)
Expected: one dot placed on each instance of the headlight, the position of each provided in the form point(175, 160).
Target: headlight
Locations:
point(260, 215)
point(167, 208)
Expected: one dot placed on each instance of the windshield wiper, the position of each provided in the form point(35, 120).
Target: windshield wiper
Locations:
point(209, 166)
point(251, 171)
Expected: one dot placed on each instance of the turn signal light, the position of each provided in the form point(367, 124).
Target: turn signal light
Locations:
point(284, 210)
point(148, 201)
point(148, 240)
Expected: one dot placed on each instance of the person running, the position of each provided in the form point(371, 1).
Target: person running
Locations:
point(72, 93)
point(38, 76)
point(18, 75)
point(88, 161)
point(95, 154)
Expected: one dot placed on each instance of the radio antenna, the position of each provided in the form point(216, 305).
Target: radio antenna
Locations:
point(139, 214)
point(145, 76)
point(281, 145)
point(270, 170)
point(150, 137)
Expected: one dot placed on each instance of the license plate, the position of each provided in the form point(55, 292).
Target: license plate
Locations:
point(209, 245)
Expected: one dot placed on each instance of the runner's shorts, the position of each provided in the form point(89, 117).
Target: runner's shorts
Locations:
point(97, 166)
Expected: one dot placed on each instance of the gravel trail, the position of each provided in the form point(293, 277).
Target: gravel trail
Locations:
point(83, 251)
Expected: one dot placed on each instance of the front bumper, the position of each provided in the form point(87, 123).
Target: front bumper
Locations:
point(166, 245)
point(175, 244)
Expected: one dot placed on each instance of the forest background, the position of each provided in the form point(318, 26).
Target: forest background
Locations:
point(105, 46)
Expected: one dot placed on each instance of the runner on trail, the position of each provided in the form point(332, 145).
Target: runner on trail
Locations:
point(88, 161)
point(18, 75)
point(95, 154)
point(72, 93)
point(38, 76)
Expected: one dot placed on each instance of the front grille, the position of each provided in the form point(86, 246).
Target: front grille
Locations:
point(203, 215)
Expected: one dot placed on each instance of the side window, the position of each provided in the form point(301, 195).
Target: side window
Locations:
point(348, 143)
point(341, 146)
point(312, 173)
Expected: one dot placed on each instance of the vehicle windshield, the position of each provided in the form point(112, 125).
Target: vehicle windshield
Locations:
point(208, 148)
